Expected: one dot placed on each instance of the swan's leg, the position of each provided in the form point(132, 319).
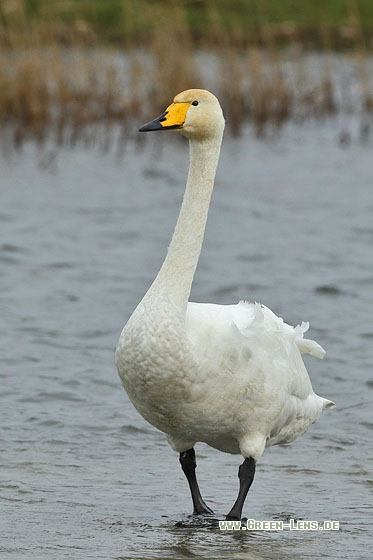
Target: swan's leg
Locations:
point(188, 464)
point(246, 476)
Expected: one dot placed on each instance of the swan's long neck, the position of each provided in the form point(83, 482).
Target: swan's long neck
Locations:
point(175, 278)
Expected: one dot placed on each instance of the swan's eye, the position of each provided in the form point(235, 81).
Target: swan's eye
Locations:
point(195, 103)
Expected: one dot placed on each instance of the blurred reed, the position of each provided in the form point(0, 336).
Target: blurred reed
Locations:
point(60, 82)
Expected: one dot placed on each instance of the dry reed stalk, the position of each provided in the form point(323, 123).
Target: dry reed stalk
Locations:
point(232, 91)
point(362, 58)
point(171, 53)
point(77, 93)
point(62, 93)
point(269, 95)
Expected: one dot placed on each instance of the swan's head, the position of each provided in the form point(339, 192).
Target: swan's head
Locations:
point(196, 113)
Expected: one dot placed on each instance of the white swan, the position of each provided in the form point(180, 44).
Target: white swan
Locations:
point(231, 376)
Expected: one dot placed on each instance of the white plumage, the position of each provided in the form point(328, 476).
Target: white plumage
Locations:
point(231, 376)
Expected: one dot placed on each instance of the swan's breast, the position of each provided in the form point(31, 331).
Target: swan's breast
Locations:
point(156, 368)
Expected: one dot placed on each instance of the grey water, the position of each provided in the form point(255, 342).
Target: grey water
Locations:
point(82, 235)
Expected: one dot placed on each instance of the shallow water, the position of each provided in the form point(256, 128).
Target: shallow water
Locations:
point(82, 474)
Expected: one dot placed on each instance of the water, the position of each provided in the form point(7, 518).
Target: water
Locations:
point(82, 474)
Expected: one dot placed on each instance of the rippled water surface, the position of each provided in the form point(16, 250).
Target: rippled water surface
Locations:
point(82, 474)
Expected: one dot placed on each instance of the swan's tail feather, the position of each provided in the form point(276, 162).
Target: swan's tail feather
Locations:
point(306, 345)
point(326, 403)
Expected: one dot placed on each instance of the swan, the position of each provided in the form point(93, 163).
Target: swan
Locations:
point(231, 376)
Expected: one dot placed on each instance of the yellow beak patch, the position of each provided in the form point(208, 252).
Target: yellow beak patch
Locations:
point(175, 115)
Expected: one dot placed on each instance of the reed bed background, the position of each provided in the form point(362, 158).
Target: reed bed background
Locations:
point(89, 71)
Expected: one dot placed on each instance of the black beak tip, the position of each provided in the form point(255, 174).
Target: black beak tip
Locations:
point(152, 125)
point(155, 124)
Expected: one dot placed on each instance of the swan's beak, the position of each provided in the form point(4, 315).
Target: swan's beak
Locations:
point(173, 117)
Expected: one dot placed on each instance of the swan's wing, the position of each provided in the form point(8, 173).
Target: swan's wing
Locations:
point(216, 334)
point(251, 373)
point(208, 320)
point(248, 340)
